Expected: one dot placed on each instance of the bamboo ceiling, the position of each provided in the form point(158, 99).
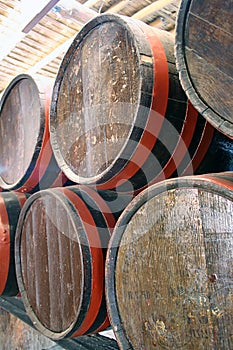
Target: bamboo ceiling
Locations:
point(34, 39)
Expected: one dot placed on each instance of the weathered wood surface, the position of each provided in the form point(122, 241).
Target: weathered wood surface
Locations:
point(170, 265)
point(204, 47)
point(92, 91)
point(10, 206)
point(27, 163)
point(19, 126)
point(61, 244)
point(118, 97)
point(110, 96)
point(61, 23)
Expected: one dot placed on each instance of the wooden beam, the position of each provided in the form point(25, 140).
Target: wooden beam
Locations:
point(84, 14)
point(91, 3)
point(79, 13)
point(50, 57)
point(39, 16)
point(118, 7)
point(148, 10)
point(75, 11)
point(15, 23)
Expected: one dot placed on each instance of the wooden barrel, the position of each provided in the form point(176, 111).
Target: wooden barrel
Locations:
point(27, 163)
point(118, 97)
point(169, 266)
point(204, 46)
point(61, 242)
point(198, 149)
point(10, 207)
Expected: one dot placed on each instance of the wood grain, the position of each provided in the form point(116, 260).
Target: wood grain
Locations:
point(61, 246)
point(169, 267)
point(204, 47)
point(215, 13)
point(98, 99)
point(20, 126)
point(54, 297)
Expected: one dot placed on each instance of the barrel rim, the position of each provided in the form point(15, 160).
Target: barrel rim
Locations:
point(36, 152)
point(31, 312)
point(220, 183)
point(215, 119)
point(123, 153)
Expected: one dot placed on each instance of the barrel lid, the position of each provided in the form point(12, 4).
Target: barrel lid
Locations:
point(101, 98)
point(52, 258)
point(22, 123)
point(204, 59)
point(170, 259)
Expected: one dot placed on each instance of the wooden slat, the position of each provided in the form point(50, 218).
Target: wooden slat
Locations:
point(155, 6)
point(26, 50)
point(22, 58)
point(128, 7)
point(32, 42)
point(53, 33)
point(60, 24)
point(59, 27)
point(20, 65)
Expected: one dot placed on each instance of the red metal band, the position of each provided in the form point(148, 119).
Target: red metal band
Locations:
point(201, 150)
point(45, 154)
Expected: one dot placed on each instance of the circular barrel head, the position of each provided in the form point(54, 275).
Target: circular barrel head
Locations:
point(21, 123)
point(169, 266)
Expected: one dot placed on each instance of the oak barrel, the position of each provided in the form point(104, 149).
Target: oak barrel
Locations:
point(204, 46)
point(27, 163)
point(119, 118)
point(169, 266)
point(61, 242)
point(10, 206)
point(113, 73)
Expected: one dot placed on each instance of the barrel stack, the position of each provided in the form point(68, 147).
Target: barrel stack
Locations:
point(118, 97)
point(170, 255)
point(119, 122)
point(27, 163)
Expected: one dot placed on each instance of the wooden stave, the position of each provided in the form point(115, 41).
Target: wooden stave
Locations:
point(43, 170)
point(140, 173)
point(219, 183)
